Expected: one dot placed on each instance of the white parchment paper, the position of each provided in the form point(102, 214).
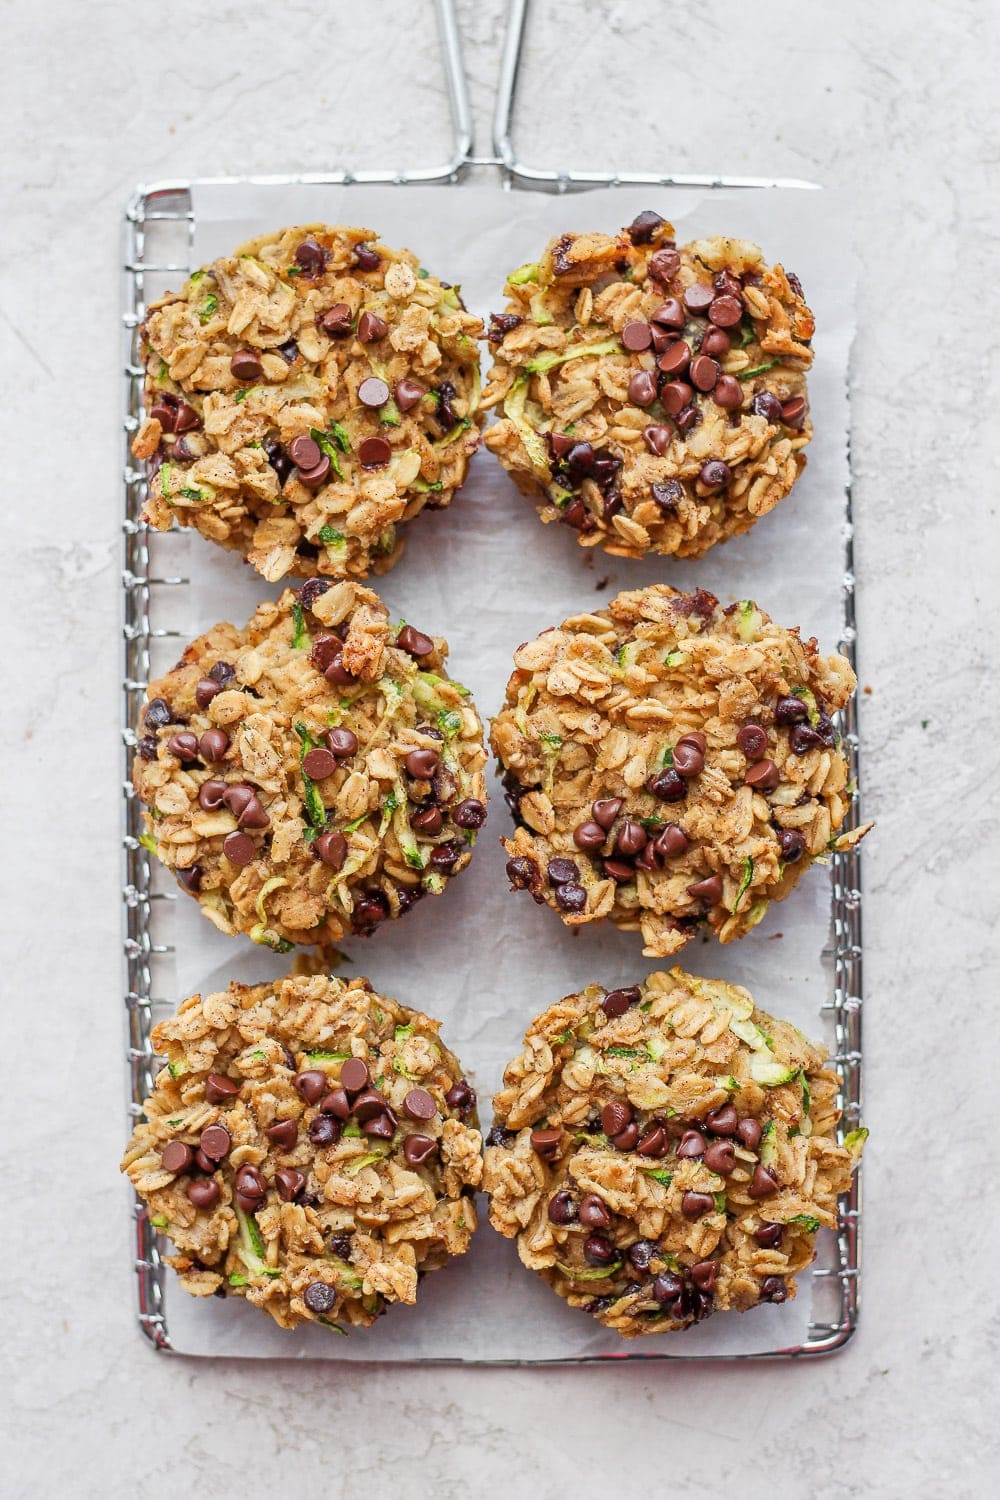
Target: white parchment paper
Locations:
point(487, 575)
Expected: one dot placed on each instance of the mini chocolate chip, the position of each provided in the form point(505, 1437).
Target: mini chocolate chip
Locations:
point(657, 439)
point(571, 897)
point(444, 856)
point(642, 388)
point(593, 1212)
point(773, 1289)
point(239, 849)
point(469, 813)
point(562, 1208)
point(215, 1141)
point(674, 361)
point(204, 1192)
point(704, 372)
point(668, 785)
point(763, 1183)
point(615, 1116)
point(697, 1205)
point(545, 1142)
point(766, 404)
point(703, 1274)
point(320, 1298)
point(714, 474)
point(667, 1287)
point(373, 392)
point(341, 742)
point(419, 1105)
point(599, 1251)
point(176, 1157)
point(793, 413)
point(365, 258)
point(374, 453)
point(337, 320)
point(763, 777)
point(699, 297)
point(637, 335)
point(284, 1133)
point(205, 691)
point(691, 1144)
point(606, 810)
point(371, 328)
point(728, 393)
point(331, 849)
point(408, 393)
point(722, 1121)
point(672, 842)
point(708, 890)
point(211, 793)
point(654, 1141)
point(245, 364)
point(429, 820)
point(304, 452)
point(752, 741)
point(617, 1002)
point(460, 1097)
point(324, 1130)
point(311, 1085)
point(418, 1148)
point(289, 1183)
point(664, 265)
point(769, 1235)
point(644, 226)
point(792, 845)
point(720, 1157)
point(219, 1089)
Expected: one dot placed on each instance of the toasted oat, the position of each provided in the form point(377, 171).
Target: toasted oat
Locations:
point(326, 1187)
point(313, 774)
point(305, 397)
point(671, 763)
point(666, 1151)
point(652, 398)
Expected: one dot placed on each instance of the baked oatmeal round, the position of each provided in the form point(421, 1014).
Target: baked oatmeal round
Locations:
point(310, 1145)
point(313, 774)
point(666, 1151)
point(670, 763)
point(305, 397)
point(652, 397)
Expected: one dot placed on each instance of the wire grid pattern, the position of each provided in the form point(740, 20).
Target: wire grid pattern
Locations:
point(155, 218)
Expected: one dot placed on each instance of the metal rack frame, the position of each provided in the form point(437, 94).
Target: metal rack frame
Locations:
point(162, 204)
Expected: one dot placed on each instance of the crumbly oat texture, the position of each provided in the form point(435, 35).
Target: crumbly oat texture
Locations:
point(305, 397)
point(652, 398)
point(310, 1146)
point(666, 1151)
point(313, 774)
point(671, 763)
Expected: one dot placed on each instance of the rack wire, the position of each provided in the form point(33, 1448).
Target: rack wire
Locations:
point(160, 217)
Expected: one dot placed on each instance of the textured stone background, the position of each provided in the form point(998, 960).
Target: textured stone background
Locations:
point(888, 102)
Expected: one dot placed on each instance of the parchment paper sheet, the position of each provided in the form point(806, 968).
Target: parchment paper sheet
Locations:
point(488, 575)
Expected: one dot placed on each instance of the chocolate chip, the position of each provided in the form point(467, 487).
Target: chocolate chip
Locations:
point(562, 1208)
point(749, 1133)
point(766, 404)
point(373, 392)
point(521, 872)
point(191, 877)
point(669, 314)
point(147, 747)
point(704, 372)
point(319, 1297)
point(421, 764)
point(186, 419)
point(429, 820)
point(642, 388)
point(289, 1183)
point(289, 351)
point(381, 1127)
point(667, 494)
point(617, 1002)
point(324, 1130)
point(336, 1103)
point(341, 742)
point(708, 890)
point(803, 738)
point(763, 1183)
point(664, 265)
point(674, 360)
point(304, 452)
point(672, 842)
point(620, 870)
point(688, 419)
point(615, 1117)
point(418, 1148)
point(205, 691)
point(213, 744)
point(204, 1192)
point(562, 871)
point(792, 845)
point(637, 335)
point(657, 439)
point(769, 1235)
point(689, 755)
point(668, 785)
point(790, 711)
point(499, 1136)
point(371, 328)
point(728, 393)
point(163, 414)
point(599, 1251)
point(773, 1289)
point(336, 320)
point(667, 1287)
point(331, 849)
point(365, 258)
point(355, 1076)
point(752, 741)
point(183, 745)
point(571, 897)
point(715, 342)
point(245, 365)
point(725, 311)
point(461, 1097)
point(593, 1212)
point(469, 813)
point(691, 1144)
point(675, 397)
point(793, 413)
point(408, 393)
point(722, 1121)
point(311, 1085)
point(219, 1089)
point(632, 838)
point(318, 763)
point(374, 453)
point(419, 1105)
point(703, 1274)
point(720, 1157)
point(606, 810)
point(763, 777)
point(715, 474)
point(239, 849)
point(644, 226)
point(176, 1157)
point(545, 1142)
point(653, 1142)
point(215, 1141)
point(283, 1133)
point(204, 1163)
point(699, 297)
point(310, 255)
point(697, 1205)
point(414, 642)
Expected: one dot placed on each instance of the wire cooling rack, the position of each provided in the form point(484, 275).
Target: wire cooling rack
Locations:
point(158, 239)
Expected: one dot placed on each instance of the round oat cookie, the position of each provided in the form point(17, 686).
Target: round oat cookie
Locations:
point(313, 774)
point(666, 1151)
point(305, 397)
point(310, 1146)
point(670, 763)
point(652, 398)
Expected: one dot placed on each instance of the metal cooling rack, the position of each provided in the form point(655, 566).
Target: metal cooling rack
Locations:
point(158, 240)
